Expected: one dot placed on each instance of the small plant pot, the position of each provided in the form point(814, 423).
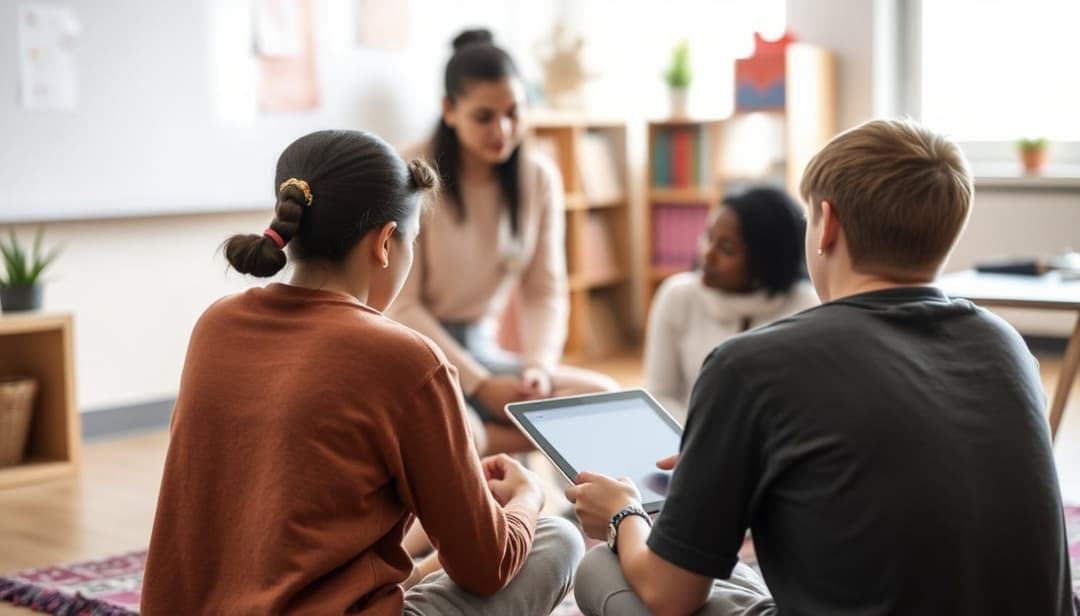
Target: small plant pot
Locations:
point(1034, 161)
point(679, 102)
point(21, 299)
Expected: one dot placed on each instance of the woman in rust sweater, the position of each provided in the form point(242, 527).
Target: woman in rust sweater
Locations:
point(310, 430)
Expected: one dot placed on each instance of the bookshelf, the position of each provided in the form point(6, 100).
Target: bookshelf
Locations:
point(591, 155)
point(39, 346)
point(683, 187)
point(785, 112)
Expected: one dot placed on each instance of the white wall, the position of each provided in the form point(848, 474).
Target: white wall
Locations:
point(136, 286)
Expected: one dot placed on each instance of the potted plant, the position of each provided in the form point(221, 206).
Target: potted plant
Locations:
point(20, 284)
point(1032, 154)
point(678, 78)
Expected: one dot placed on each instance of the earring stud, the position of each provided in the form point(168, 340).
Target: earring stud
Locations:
point(820, 252)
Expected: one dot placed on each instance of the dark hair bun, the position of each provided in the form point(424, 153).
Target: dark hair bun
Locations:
point(423, 176)
point(257, 255)
point(479, 36)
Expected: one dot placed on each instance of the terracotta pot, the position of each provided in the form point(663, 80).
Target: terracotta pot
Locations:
point(1034, 160)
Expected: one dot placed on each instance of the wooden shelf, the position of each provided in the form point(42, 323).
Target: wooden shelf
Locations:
point(580, 282)
point(39, 346)
point(608, 203)
point(659, 272)
point(549, 120)
point(35, 471)
point(578, 201)
point(806, 122)
point(685, 196)
point(677, 122)
point(597, 230)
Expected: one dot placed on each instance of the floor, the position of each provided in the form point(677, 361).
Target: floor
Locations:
point(109, 508)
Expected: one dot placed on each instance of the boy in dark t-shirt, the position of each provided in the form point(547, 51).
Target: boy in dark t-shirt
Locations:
point(887, 449)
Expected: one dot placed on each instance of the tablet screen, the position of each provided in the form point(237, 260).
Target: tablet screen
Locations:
point(621, 437)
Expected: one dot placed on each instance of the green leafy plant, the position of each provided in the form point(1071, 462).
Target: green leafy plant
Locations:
point(678, 73)
point(24, 268)
point(1031, 145)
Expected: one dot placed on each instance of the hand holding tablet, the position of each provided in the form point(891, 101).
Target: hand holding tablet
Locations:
point(618, 434)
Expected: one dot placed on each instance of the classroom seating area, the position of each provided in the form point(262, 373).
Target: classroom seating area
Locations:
point(311, 284)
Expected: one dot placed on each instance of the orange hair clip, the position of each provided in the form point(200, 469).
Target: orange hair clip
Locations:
point(302, 185)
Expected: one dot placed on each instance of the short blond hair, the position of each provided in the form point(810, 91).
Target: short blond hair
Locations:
point(902, 194)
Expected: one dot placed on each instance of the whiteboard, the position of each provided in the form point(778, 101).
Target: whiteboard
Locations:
point(159, 129)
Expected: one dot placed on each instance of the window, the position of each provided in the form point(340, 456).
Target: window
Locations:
point(993, 71)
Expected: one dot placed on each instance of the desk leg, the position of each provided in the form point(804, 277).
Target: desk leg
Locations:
point(1065, 380)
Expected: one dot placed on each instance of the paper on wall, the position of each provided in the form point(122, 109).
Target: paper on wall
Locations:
point(383, 23)
point(277, 29)
point(289, 84)
point(47, 37)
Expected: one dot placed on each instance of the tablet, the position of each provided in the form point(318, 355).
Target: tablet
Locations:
point(619, 434)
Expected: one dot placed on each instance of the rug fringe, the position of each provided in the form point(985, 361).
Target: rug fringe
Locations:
point(51, 601)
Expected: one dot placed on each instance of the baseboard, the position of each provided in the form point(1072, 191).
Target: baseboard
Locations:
point(1050, 345)
point(111, 422)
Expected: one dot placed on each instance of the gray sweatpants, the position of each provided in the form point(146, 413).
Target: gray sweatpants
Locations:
point(537, 589)
point(601, 590)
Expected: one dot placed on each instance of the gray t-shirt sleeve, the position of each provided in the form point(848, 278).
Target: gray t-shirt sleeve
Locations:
point(707, 510)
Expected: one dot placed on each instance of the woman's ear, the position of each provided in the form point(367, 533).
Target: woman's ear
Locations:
point(382, 245)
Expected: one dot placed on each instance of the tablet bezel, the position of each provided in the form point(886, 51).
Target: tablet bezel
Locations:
point(517, 411)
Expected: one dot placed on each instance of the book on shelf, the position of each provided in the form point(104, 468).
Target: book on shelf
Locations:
point(599, 258)
point(599, 168)
point(676, 234)
point(681, 157)
point(607, 327)
point(548, 146)
point(660, 158)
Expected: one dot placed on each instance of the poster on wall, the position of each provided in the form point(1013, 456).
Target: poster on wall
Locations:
point(284, 46)
point(47, 37)
point(383, 23)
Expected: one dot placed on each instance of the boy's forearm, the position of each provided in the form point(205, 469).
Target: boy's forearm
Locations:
point(633, 552)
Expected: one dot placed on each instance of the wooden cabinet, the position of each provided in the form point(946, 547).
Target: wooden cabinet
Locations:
point(40, 346)
point(592, 157)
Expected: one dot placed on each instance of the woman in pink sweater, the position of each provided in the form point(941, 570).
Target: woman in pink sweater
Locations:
point(498, 229)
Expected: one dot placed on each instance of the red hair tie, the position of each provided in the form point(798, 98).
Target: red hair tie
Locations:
point(270, 233)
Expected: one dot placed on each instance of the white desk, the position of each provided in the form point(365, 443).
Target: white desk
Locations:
point(1046, 292)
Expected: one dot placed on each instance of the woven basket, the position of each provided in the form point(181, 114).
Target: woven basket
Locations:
point(16, 410)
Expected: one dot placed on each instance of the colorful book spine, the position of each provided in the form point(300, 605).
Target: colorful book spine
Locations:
point(661, 156)
point(675, 233)
point(695, 159)
point(681, 159)
point(704, 160)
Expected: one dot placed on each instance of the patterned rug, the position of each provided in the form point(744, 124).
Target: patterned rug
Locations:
point(111, 586)
point(106, 587)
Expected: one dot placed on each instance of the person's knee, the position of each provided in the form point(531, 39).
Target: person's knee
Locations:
point(601, 589)
point(608, 383)
point(598, 570)
point(561, 541)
